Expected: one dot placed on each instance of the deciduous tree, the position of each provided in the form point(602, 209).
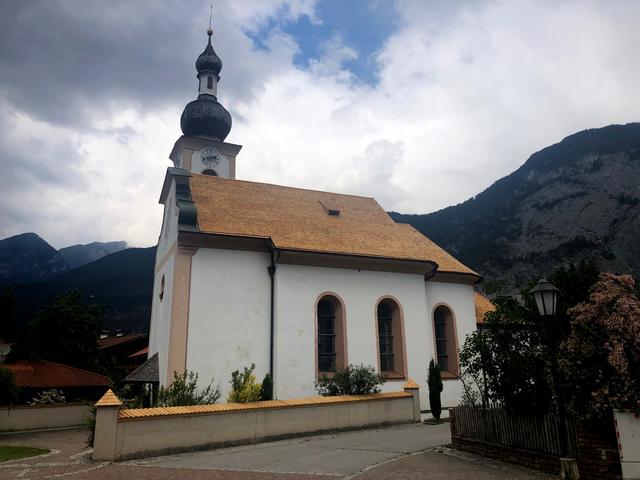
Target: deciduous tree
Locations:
point(602, 354)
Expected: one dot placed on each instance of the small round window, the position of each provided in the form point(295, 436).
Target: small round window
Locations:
point(208, 171)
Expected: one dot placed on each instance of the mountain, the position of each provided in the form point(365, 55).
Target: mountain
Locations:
point(28, 258)
point(122, 282)
point(576, 199)
point(79, 255)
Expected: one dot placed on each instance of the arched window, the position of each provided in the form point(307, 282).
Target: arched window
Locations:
point(330, 332)
point(209, 82)
point(445, 335)
point(208, 171)
point(390, 339)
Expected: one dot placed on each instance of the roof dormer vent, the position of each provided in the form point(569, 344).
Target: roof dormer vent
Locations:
point(331, 208)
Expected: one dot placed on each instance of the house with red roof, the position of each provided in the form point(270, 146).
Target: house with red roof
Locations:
point(34, 376)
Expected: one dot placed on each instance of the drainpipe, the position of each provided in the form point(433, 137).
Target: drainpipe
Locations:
point(275, 256)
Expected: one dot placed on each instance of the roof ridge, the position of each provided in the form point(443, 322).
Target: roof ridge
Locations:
point(222, 179)
point(74, 368)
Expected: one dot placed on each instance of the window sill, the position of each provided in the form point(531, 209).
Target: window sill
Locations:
point(449, 376)
point(393, 376)
point(319, 375)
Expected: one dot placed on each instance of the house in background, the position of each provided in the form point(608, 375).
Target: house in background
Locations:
point(125, 349)
point(299, 282)
point(35, 376)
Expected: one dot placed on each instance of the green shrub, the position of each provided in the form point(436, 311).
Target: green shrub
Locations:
point(244, 387)
point(9, 391)
point(434, 380)
point(90, 424)
point(267, 387)
point(184, 391)
point(352, 380)
point(48, 397)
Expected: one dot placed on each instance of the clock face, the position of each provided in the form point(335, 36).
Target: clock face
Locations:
point(210, 156)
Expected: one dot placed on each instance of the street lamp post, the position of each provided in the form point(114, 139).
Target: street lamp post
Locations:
point(546, 296)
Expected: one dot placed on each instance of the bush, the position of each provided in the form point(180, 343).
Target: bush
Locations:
point(352, 380)
point(184, 391)
point(244, 387)
point(267, 387)
point(48, 397)
point(9, 391)
point(434, 380)
point(90, 424)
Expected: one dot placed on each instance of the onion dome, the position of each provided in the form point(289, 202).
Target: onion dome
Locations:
point(206, 117)
point(208, 61)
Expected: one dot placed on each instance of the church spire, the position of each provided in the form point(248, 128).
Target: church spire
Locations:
point(205, 117)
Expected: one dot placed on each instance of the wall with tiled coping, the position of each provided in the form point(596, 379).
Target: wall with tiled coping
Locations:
point(124, 434)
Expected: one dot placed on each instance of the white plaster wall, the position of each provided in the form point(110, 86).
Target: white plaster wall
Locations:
point(229, 311)
point(459, 297)
point(229, 319)
point(161, 317)
point(169, 229)
point(297, 289)
point(222, 169)
point(159, 328)
point(628, 430)
point(202, 85)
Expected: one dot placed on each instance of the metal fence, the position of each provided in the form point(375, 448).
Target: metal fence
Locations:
point(495, 425)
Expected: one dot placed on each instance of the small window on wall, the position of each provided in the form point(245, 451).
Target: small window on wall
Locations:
point(209, 83)
point(330, 335)
point(208, 171)
point(445, 335)
point(390, 339)
point(161, 294)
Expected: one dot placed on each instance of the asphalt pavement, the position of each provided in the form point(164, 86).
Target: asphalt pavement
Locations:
point(403, 452)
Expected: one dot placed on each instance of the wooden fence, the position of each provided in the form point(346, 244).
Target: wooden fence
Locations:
point(494, 425)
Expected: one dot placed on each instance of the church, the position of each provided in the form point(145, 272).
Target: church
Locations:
point(299, 282)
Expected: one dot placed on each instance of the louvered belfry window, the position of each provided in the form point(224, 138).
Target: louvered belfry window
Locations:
point(326, 336)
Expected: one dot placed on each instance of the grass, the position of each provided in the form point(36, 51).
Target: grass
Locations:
point(8, 452)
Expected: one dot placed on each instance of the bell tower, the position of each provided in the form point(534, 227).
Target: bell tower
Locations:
point(205, 123)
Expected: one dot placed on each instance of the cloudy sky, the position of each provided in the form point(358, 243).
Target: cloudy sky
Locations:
point(421, 104)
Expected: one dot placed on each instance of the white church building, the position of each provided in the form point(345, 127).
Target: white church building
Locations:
point(299, 282)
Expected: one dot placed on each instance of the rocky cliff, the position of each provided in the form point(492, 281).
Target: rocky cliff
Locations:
point(576, 199)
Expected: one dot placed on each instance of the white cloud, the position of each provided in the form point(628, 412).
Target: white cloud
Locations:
point(469, 91)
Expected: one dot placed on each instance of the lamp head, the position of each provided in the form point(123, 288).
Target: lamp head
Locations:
point(546, 296)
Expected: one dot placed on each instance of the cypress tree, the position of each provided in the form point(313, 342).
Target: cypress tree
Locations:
point(434, 381)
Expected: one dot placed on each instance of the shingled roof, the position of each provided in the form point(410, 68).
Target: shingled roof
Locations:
point(44, 374)
point(148, 372)
point(483, 306)
point(312, 221)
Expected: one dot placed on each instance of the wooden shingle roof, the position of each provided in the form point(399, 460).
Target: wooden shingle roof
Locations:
point(483, 306)
point(298, 219)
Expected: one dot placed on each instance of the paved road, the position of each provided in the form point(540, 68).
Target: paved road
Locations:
point(337, 455)
point(404, 452)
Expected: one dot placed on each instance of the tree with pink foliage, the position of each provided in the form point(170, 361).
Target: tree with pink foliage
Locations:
point(602, 353)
